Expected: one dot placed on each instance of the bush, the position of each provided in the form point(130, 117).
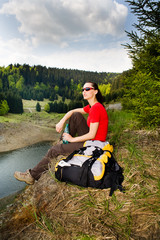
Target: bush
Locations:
point(4, 108)
point(47, 108)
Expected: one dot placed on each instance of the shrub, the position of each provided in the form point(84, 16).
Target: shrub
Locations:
point(4, 108)
point(47, 108)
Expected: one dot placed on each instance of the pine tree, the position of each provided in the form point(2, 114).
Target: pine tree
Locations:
point(148, 26)
point(14, 102)
point(38, 107)
point(142, 86)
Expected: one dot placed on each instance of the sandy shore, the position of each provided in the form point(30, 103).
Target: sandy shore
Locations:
point(18, 135)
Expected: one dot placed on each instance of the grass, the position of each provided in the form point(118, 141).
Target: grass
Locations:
point(84, 213)
point(26, 116)
point(117, 216)
point(29, 117)
point(132, 215)
point(32, 103)
point(118, 122)
point(83, 236)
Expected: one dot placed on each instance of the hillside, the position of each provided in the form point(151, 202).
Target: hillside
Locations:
point(53, 210)
point(40, 82)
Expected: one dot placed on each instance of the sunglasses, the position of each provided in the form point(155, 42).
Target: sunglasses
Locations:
point(87, 89)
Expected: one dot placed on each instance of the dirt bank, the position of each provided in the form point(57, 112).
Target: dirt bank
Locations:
point(19, 135)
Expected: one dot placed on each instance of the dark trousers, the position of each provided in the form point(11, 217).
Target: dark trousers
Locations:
point(77, 125)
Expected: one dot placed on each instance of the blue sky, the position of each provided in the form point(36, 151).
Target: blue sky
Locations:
point(73, 34)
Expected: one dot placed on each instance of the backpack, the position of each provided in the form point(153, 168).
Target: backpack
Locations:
point(91, 166)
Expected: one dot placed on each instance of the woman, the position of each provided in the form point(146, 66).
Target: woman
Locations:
point(95, 128)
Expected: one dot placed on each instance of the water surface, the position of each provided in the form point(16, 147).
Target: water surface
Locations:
point(18, 160)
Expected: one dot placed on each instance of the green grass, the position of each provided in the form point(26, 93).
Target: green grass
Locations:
point(32, 103)
point(17, 118)
point(118, 122)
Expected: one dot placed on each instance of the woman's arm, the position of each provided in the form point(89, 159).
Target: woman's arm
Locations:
point(88, 136)
point(60, 124)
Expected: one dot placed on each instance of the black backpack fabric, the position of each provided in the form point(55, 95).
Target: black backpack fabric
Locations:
point(91, 166)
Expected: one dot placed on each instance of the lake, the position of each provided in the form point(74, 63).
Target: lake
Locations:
point(19, 160)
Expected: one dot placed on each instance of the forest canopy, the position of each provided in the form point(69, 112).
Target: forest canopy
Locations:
point(39, 83)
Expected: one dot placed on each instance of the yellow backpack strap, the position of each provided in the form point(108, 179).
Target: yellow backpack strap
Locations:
point(84, 144)
point(108, 147)
point(104, 158)
point(56, 165)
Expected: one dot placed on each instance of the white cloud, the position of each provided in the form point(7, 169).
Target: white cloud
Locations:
point(49, 27)
point(14, 51)
point(60, 20)
point(106, 60)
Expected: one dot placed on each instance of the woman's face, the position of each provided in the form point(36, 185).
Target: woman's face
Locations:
point(88, 91)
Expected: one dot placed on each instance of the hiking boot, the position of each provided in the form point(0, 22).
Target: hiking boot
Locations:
point(24, 177)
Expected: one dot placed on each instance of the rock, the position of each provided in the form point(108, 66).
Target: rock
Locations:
point(115, 106)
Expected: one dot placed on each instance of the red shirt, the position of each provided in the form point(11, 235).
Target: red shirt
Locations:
point(97, 113)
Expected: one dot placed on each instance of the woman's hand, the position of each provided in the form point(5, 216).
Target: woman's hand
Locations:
point(59, 126)
point(67, 137)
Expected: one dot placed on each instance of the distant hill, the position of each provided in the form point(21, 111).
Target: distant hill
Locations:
point(38, 82)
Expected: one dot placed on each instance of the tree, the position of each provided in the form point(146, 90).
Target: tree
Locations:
point(105, 89)
point(56, 89)
point(12, 84)
point(4, 108)
point(20, 84)
point(38, 107)
point(39, 96)
point(141, 86)
point(148, 26)
point(47, 108)
point(1, 84)
point(63, 99)
point(14, 102)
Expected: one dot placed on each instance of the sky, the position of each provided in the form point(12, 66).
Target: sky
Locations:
point(71, 34)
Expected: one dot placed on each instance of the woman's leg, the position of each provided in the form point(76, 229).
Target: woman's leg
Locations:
point(59, 149)
point(77, 125)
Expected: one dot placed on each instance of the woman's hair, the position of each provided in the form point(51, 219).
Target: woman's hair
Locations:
point(99, 94)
